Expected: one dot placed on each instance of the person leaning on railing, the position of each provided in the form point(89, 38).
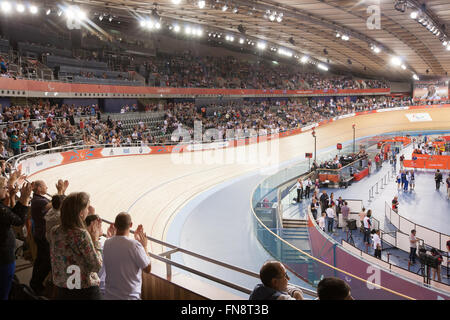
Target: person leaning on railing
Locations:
point(275, 284)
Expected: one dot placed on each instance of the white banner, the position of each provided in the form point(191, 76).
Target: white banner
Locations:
point(418, 117)
point(214, 145)
point(123, 151)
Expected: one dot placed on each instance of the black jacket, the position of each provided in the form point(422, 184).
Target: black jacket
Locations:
point(10, 217)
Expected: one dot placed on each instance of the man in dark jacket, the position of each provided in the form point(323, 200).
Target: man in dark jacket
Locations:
point(10, 217)
point(275, 284)
point(438, 179)
point(324, 201)
point(39, 207)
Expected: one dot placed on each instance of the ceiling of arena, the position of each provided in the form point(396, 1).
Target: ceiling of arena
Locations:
point(310, 26)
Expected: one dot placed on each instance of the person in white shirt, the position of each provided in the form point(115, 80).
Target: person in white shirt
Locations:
point(124, 261)
point(376, 243)
point(367, 226)
point(321, 221)
point(299, 186)
point(330, 217)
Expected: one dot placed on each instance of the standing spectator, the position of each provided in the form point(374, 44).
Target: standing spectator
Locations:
point(345, 210)
point(321, 221)
point(436, 271)
point(299, 187)
point(72, 244)
point(402, 157)
point(124, 261)
point(314, 206)
point(308, 185)
point(324, 201)
point(15, 143)
point(39, 207)
point(399, 179)
point(438, 179)
point(412, 246)
point(376, 241)
point(10, 217)
point(362, 215)
point(330, 217)
point(333, 289)
point(367, 227)
point(403, 175)
point(53, 216)
point(407, 181)
point(412, 180)
point(275, 285)
point(448, 187)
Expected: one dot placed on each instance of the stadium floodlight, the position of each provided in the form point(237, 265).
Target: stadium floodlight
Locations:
point(448, 47)
point(345, 37)
point(414, 15)
point(176, 28)
point(142, 23)
point(201, 4)
point(48, 11)
point(403, 67)
point(20, 8)
point(444, 43)
point(415, 77)
point(187, 30)
point(272, 17)
point(225, 8)
point(150, 24)
point(304, 59)
point(176, 1)
point(322, 67)
point(158, 25)
point(6, 7)
point(241, 40)
point(376, 49)
point(396, 61)
point(33, 9)
point(261, 46)
point(280, 17)
point(100, 17)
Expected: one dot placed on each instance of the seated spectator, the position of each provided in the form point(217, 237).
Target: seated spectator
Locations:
point(334, 289)
point(275, 284)
point(10, 215)
point(75, 251)
point(124, 261)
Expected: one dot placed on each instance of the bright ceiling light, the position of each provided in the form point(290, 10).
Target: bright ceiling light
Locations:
point(6, 7)
point(338, 35)
point(322, 66)
point(187, 30)
point(225, 8)
point(272, 17)
point(176, 28)
point(241, 41)
point(176, 1)
point(396, 61)
point(82, 15)
point(345, 37)
point(48, 11)
point(403, 67)
point(201, 4)
point(448, 47)
point(444, 43)
point(415, 77)
point(20, 8)
point(142, 23)
point(376, 49)
point(261, 45)
point(414, 15)
point(304, 59)
point(33, 9)
point(158, 25)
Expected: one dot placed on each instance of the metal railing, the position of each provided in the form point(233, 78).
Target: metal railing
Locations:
point(379, 185)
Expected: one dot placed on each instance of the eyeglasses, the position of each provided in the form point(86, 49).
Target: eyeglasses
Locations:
point(285, 275)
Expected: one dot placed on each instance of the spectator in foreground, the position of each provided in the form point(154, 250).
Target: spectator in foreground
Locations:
point(124, 261)
point(334, 289)
point(10, 217)
point(73, 244)
point(275, 284)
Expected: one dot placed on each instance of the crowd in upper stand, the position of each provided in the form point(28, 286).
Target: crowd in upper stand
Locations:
point(56, 125)
point(185, 70)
